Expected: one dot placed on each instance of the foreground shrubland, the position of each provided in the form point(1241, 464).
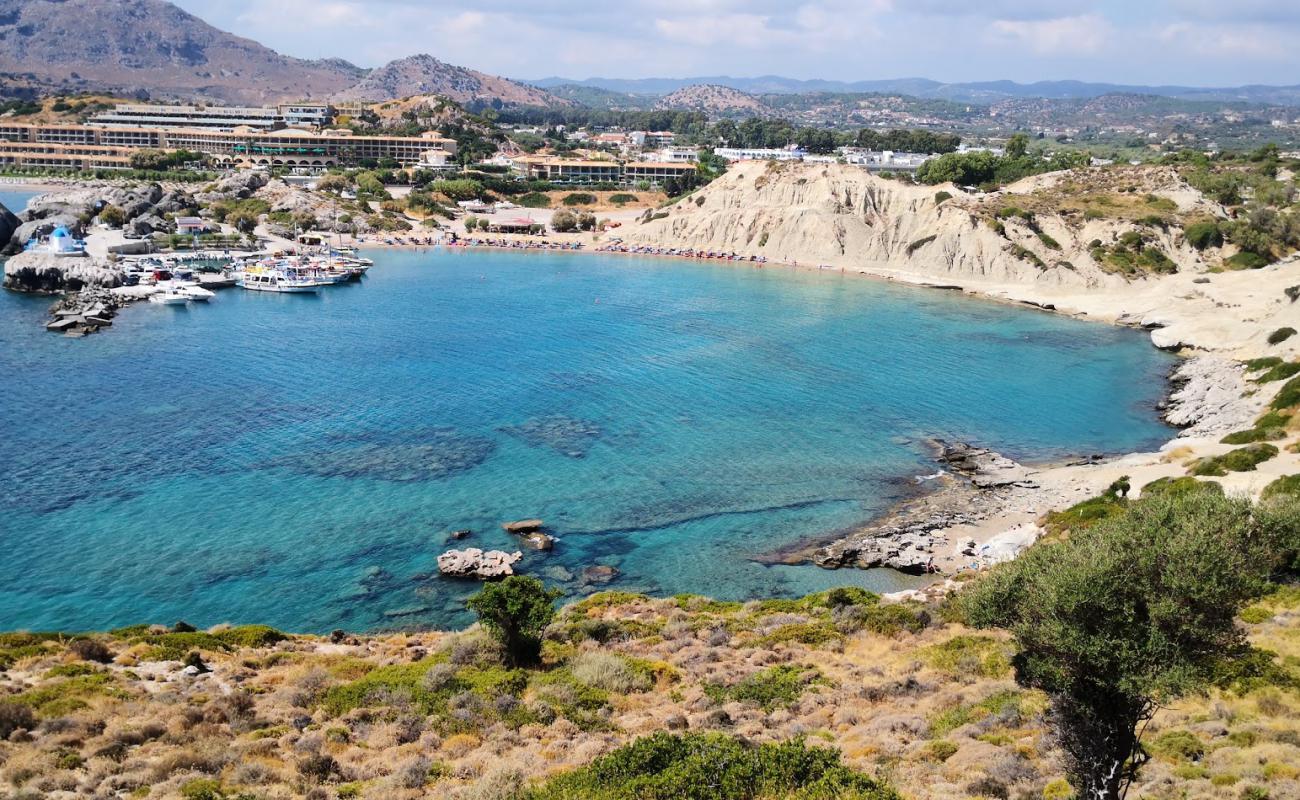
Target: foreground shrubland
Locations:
point(835, 695)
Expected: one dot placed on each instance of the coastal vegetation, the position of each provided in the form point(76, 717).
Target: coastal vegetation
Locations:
point(1131, 614)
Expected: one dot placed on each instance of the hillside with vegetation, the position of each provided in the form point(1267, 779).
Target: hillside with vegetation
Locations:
point(1170, 624)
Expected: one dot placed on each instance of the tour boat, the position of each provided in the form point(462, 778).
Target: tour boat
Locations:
point(274, 280)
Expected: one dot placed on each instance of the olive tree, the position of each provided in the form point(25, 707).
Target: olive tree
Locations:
point(516, 611)
point(1129, 615)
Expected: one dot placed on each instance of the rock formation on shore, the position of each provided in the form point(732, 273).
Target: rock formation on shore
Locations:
point(145, 208)
point(47, 273)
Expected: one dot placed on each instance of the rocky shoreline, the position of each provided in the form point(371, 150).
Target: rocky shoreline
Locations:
point(986, 508)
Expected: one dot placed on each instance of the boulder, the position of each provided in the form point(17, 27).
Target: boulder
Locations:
point(522, 526)
point(599, 573)
point(475, 563)
point(540, 541)
point(144, 226)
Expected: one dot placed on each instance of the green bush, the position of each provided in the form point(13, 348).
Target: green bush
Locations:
point(1009, 705)
point(1280, 335)
point(1254, 435)
point(919, 243)
point(1049, 241)
point(772, 688)
point(1179, 487)
point(1177, 746)
point(1203, 235)
point(1243, 459)
point(1083, 515)
point(1267, 362)
point(1246, 260)
point(1286, 486)
point(1280, 373)
point(1288, 396)
point(713, 766)
point(970, 655)
point(942, 197)
point(534, 200)
point(579, 199)
point(622, 198)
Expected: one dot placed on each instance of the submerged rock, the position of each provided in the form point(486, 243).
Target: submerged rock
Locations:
point(475, 563)
point(522, 526)
point(567, 436)
point(432, 456)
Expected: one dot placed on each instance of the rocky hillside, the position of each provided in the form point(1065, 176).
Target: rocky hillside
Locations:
point(151, 47)
point(426, 75)
point(251, 712)
point(712, 99)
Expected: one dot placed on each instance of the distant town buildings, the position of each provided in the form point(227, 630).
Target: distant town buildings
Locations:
point(586, 171)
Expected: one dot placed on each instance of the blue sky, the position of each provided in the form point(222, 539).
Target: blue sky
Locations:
point(1193, 42)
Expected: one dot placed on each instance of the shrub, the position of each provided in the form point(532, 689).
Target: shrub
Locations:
point(515, 611)
point(1254, 435)
point(1288, 396)
point(1243, 459)
point(919, 243)
point(1286, 486)
point(713, 766)
point(939, 750)
point(1246, 260)
point(981, 656)
point(772, 688)
point(942, 197)
point(609, 672)
point(91, 650)
point(1177, 746)
point(15, 716)
point(1280, 372)
point(1178, 487)
point(622, 198)
point(1203, 235)
point(534, 200)
point(579, 199)
point(1280, 335)
point(1049, 241)
point(1009, 705)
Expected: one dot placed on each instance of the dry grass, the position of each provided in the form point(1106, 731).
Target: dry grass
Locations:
point(936, 710)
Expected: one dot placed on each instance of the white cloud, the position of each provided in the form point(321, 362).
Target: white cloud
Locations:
point(1081, 35)
point(1228, 41)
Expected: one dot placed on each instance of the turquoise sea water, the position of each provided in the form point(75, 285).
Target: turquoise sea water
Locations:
point(298, 460)
point(15, 199)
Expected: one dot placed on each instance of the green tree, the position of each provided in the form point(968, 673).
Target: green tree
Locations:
point(515, 611)
point(1017, 146)
point(243, 220)
point(564, 221)
point(1130, 614)
point(112, 216)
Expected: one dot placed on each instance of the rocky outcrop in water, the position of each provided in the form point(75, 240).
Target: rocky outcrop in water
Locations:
point(985, 468)
point(84, 312)
point(47, 273)
point(475, 563)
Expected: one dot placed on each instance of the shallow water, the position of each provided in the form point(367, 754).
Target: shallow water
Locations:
point(15, 199)
point(298, 460)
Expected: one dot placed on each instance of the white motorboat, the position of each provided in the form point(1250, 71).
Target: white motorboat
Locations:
point(169, 297)
point(197, 293)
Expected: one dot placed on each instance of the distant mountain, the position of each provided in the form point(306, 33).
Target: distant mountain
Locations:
point(974, 92)
point(604, 99)
point(152, 48)
point(426, 75)
point(711, 99)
